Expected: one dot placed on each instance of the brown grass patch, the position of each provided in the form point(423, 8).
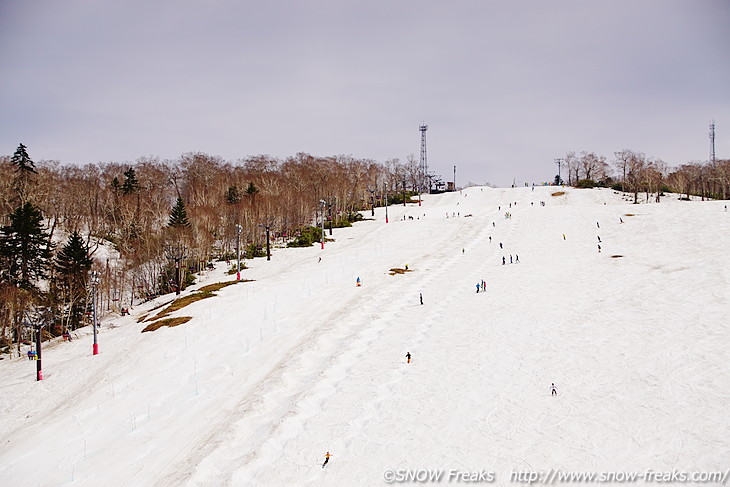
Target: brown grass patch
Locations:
point(142, 318)
point(558, 193)
point(203, 293)
point(616, 256)
point(398, 270)
point(220, 285)
point(167, 322)
point(629, 214)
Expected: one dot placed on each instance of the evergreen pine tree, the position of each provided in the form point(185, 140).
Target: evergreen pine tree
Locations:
point(178, 215)
point(131, 184)
point(72, 266)
point(234, 195)
point(25, 247)
point(116, 186)
point(24, 170)
point(22, 161)
point(252, 190)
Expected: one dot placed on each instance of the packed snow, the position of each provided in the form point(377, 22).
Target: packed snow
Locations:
point(271, 374)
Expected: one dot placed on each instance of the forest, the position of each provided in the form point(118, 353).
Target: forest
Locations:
point(130, 223)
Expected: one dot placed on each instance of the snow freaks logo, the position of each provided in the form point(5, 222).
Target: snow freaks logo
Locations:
point(427, 475)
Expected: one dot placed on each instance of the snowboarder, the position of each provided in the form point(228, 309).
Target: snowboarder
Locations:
point(553, 390)
point(420, 295)
point(478, 287)
point(408, 356)
point(326, 459)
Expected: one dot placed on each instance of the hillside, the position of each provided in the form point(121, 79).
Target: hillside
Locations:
point(272, 373)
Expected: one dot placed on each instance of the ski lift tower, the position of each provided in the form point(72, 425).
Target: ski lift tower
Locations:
point(424, 162)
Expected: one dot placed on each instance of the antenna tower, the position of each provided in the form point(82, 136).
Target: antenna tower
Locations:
point(712, 142)
point(424, 161)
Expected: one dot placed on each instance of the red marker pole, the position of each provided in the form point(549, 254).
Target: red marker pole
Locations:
point(94, 282)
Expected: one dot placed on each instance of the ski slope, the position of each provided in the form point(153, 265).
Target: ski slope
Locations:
point(271, 374)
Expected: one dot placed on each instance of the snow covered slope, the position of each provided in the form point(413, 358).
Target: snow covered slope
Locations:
point(271, 374)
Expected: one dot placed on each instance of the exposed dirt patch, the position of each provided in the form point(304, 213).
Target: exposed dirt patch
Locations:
point(167, 322)
point(558, 193)
point(616, 256)
point(398, 270)
point(203, 293)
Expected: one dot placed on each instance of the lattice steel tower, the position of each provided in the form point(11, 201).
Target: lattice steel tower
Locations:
point(424, 161)
point(712, 142)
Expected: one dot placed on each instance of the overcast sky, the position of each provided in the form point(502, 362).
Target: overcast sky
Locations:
point(505, 87)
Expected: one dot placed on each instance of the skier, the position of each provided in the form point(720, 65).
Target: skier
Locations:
point(553, 390)
point(484, 286)
point(326, 459)
point(563, 236)
point(408, 356)
point(517, 259)
point(462, 250)
point(621, 219)
point(500, 245)
point(359, 282)
point(490, 239)
point(478, 287)
point(420, 295)
point(599, 248)
point(494, 224)
point(320, 260)
point(599, 226)
point(599, 238)
point(503, 260)
point(510, 258)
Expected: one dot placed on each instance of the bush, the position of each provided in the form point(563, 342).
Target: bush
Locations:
point(233, 270)
point(307, 237)
point(252, 250)
point(354, 216)
point(585, 183)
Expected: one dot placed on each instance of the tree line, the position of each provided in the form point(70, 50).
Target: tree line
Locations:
point(142, 210)
point(634, 172)
point(126, 221)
